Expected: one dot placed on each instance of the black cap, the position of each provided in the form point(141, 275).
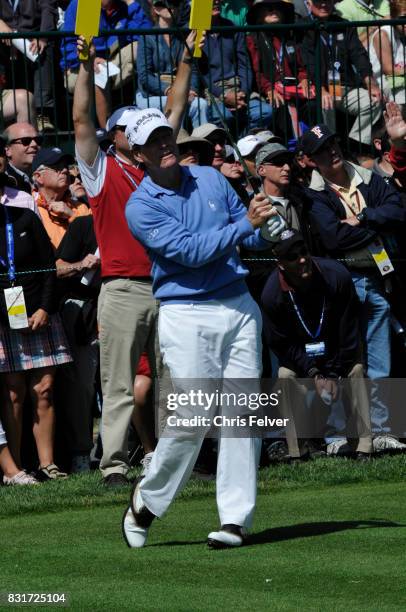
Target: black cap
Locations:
point(50, 157)
point(315, 138)
point(287, 241)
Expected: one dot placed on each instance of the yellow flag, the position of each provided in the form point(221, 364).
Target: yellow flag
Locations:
point(88, 20)
point(200, 20)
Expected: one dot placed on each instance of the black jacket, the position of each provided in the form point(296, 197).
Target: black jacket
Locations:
point(340, 330)
point(31, 15)
point(341, 46)
point(384, 213)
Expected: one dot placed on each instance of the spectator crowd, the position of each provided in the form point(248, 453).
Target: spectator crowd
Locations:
point(311, 116)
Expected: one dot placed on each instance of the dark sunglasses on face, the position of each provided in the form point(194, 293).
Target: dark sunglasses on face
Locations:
point(27, 140)
point(278, 162)
point(73, 178)
point(217, 141)
point(295, 255)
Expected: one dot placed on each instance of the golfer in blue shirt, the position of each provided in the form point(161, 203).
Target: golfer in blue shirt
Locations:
point(191, 222)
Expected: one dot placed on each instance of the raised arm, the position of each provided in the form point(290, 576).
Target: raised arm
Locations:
point(179, 93)
point(85, 131)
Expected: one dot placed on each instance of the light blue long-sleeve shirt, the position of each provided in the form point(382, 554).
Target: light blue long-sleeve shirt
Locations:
point(192, 235)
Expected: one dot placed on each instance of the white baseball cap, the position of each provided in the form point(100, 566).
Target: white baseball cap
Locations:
point(143, 123)
point(121, 116)
point(248, 144)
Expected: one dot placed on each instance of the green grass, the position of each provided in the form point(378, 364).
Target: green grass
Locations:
point(329, 535)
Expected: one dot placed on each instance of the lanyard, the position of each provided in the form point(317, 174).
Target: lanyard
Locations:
point(14, 5)
point(347, 204)
point(299, 315)
point(10, 247)
point(128, 175)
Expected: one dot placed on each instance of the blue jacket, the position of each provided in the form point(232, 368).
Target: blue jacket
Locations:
point(225, 56)
point(154, 57)
point(122, 17)
point(384, 213)
point(191, 235)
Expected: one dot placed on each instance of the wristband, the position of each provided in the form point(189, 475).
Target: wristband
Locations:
point(362, 218)
point(187, 60)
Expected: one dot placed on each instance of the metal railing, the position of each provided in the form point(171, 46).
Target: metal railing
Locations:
point(52, 87)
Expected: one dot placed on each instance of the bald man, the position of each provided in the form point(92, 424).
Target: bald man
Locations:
point(23, 143)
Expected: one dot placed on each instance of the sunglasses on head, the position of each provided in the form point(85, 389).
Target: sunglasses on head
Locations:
point(27, 140)
point(297, 254)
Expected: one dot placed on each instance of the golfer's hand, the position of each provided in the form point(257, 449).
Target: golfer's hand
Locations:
point(260, 209)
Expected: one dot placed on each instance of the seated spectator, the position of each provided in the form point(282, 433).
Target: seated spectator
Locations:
point(28, 16)
point(23, 143)
point(278, 66)
point(311, 323)
point(30, 348)
point(356, 214)
point(370, 10)
point(346, 73)
point(11, 474)
point(121, 50)
point(76, 256)
point(226, 66)
point(76, 188)
point(217, 137)
point(157, 62)
point(387, 53)
point(56, 206)
point(194, 151)
point(11, 196)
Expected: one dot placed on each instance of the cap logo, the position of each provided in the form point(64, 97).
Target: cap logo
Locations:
point(145, 119)
point(287, 234)
point(317, 131)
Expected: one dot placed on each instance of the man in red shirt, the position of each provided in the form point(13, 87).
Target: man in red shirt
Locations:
point(127, 311)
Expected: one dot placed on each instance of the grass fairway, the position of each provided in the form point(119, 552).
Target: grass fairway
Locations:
point(329, 535)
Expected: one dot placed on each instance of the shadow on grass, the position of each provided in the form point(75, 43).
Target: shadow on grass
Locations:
point(306, 530)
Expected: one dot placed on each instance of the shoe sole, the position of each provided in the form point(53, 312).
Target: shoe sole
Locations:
point(217, 545)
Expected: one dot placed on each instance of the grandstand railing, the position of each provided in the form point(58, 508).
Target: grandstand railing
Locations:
point(19, 73)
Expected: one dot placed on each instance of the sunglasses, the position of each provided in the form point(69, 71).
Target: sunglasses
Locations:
point(217, 141)
point(27, 140)
point(279, 162)
point(295, 255)
point(74, 177)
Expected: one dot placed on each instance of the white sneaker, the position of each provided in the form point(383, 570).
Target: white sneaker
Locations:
point(22, 478)
point(387, 442)
point(146, 462)
point(229, 536)
point(338, 448)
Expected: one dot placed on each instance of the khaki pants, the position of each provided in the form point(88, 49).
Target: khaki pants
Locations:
point(356, 102)
point(127, 317)
point(292, 401)
point(124, 59)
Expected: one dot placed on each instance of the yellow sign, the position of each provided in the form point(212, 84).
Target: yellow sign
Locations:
point(200, 20)
point(88, 20)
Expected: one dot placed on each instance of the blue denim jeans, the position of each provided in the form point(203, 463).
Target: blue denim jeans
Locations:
point(197, 109)
point(258, 114)
point(375, 334)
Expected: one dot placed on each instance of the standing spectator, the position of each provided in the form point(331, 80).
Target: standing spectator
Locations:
point(388, 53)
point(157, 62)
point(33, 16)
point(28, 356)
point(194, 150)
point(367, 10)
point(10, 195)
point(56, 206)
point(121, 50)
point(346, 73)
point(23, 143)
point(127, 310)
point(353, 209)
point(75, 257)
point(311, 322)
point(226, 65)
point(279, 71)
point(11, 474)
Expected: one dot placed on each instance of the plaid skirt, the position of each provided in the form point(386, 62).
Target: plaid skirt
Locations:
point(42, 348)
